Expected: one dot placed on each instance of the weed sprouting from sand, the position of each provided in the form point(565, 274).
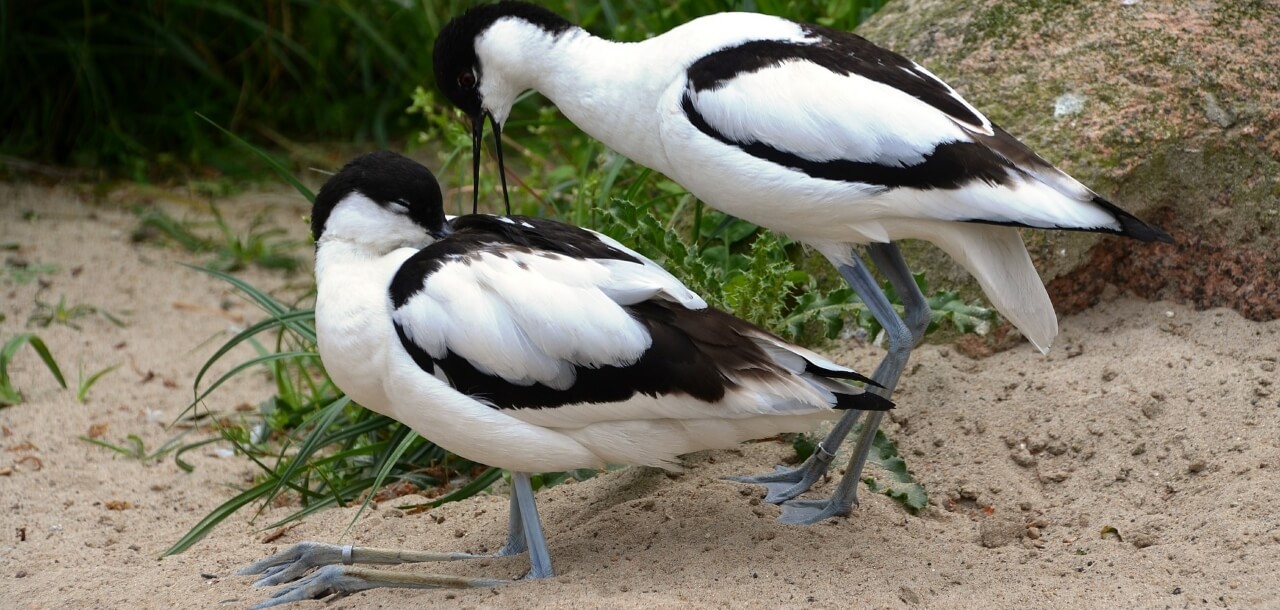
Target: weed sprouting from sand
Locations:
point(21, 271)
point(134, 448)
point(260, 245)
point(85, 383)
point(899, 484)
point(48, 314)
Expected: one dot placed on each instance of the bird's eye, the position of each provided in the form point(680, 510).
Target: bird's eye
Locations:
point(467, 80)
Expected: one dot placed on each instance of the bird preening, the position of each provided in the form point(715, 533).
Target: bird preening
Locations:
point(533, 345)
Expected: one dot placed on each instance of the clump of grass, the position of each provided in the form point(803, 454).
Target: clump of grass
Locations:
point(9, 395)
point(21, 271)
point(261, 245)
point(309, 440)
point(134, 448)
point(48, 314)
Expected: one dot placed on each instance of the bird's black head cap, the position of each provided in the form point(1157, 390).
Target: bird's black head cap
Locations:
point(456, 65)
point(385, 177)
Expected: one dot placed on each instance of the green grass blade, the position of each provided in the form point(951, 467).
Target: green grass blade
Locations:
point(184, 465)
point(83, 393)
point(313, 507)
point(247, 334)
point(322, 419)
point(383, 470)
point(472, 488)
point(12, 346)
point(389, 50)
point(279, 168)
point(206, 525)
point(264, 300)
point(131, 452)
point(252, 362)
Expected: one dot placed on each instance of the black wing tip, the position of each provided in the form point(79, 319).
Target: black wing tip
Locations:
point(865, 401)
point(814, 369)
point(1132, 226)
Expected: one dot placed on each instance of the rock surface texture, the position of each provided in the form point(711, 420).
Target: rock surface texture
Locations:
point(1169, 108)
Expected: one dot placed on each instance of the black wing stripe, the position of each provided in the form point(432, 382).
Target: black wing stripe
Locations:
point(842, 53)
point(690, 347)
point(951, 165)
point(419, 355)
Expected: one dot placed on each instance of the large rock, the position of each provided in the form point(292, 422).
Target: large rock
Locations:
point(1170, 108)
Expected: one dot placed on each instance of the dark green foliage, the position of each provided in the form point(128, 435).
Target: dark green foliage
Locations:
point(117, 84)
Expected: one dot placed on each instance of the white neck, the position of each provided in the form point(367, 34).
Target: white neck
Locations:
point(608, 89)
point(616, 92)
point(353, 315)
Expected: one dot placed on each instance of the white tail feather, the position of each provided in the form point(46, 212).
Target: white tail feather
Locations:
point(997, 258)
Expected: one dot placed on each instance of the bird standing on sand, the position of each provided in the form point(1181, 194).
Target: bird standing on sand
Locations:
point(529, 345)
point(810, 131)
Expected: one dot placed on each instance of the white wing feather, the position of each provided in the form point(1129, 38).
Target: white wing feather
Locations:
point(806, 110)
point(531, 318)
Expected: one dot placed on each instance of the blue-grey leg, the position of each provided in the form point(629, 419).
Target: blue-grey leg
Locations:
point(901, 337)
point(539, 556)
point(786, 483)
point(516, 543)
point(337, 574)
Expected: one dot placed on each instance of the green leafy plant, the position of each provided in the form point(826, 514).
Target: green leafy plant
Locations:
point(23, 272)
point(9, 395)
point(48, 314)
point(948, 311)
point(134, 448)
point(899, 484)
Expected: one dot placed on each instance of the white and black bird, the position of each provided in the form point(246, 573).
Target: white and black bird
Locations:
point(529, 345)
point(806, 130)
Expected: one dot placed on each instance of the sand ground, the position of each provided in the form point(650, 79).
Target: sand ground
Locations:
point(1150, 418)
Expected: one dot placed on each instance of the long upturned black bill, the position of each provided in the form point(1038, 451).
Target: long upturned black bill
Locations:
point(477, 134)
point(502, 170)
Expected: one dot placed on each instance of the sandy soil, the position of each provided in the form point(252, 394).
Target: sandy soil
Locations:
point(1150, 418)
